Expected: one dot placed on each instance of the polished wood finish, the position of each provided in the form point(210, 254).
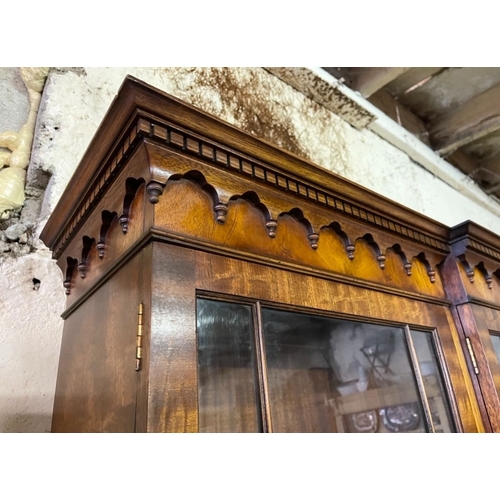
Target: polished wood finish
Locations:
point(97, 384)
point(471, 278)
point(196, 270)
point(169, 204)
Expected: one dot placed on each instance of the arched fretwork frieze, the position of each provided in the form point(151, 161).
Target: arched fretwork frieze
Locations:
point(107, 219)
point(131, 187)
point(71, 265)
point(221, 201)
point(87, 244)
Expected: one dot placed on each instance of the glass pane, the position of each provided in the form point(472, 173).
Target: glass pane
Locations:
point(226, 368)
point(433, 382)
point(495, 340)
point(329, 375)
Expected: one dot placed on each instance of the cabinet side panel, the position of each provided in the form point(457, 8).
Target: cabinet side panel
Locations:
point(97, 381)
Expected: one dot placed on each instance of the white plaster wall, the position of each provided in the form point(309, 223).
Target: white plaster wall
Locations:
point(381, 167)
point(77, 101)
point(30, 338)
point(73, 105)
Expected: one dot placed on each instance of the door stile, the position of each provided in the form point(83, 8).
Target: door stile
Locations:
point(451, 397)
point(262, 369)
point(419, 379)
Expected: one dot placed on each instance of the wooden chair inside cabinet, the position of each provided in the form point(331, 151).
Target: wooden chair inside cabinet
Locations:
point(217, 283)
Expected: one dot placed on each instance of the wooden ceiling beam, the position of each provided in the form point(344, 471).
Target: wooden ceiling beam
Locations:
point(366, 81)
point(411, 80)
point(490, 170)
point(400, 114)
point(463, 162)
point(470, 121)
point(493, 164)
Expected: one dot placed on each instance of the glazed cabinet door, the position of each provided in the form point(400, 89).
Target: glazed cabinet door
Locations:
point(481, 325)
point(313, 373)
point(243, 347)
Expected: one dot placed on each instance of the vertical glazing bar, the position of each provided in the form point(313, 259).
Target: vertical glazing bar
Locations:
point(447, 381)
point(420, 381)
point(262, 369)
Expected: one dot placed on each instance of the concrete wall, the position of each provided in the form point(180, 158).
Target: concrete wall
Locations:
point(31, 299)
point(73, 104)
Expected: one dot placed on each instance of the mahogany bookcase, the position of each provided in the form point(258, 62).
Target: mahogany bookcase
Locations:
point(218, 283)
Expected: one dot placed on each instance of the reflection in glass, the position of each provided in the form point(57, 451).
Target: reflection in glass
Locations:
point(226, 368)
point(329, 375)
point(433, 383)
point(323, 374)
point(495, 340)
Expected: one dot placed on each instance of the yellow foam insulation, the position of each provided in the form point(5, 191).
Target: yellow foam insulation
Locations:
point(13, 164)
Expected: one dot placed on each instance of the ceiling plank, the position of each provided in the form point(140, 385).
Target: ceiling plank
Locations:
point(476, 118)
point(493, 164)
point(463, 162)
point(449, 89)
point(400, 114)
point(340, 74)
point(409, 80)
point(490, 170)
point(368, 80)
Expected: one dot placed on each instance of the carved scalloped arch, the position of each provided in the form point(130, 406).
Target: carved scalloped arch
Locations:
point(132, 185)
point(107, 219)
point(337, 228)
point(430, 271)
point(485, 273)
point(87, 244)
point(406, 263)
point(468, 269)
point(71, 265)
point(253, 198)
point(220, 205)
point(379, 255)
point(298, 215)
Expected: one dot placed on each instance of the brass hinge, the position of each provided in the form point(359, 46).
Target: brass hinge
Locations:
point(472, 355)
point(138, 343)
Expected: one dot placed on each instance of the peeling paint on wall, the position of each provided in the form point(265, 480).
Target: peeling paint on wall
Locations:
point(13, 164)
point(249, 98)
point(265, 107)
point(327, 95)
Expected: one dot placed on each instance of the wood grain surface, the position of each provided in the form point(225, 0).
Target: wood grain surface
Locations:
point(97, 382)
